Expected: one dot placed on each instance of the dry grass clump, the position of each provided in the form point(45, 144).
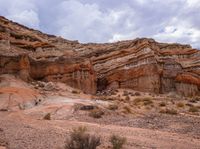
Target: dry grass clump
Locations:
point(127, 98)
point(75, 92)
point(79, 139)
point(169, 111)
point(197, 98)
point(125, 93)
point(137, 94)
point(189, 105)
point(113, 107)
point(180, 105)
point(96, 113)
point(47, 116)
point(193, 100)
point(137, 101)
point(162, 104)
point(117, 141)
point(105, 98)
point(3, 109)
point(114, 92)
point(145, 101)
point(193, 109)
point(127, 109)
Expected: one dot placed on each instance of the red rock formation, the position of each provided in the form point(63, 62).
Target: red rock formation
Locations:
point(140, 64)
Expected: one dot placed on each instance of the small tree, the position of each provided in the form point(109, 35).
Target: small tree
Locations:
point(117, 141)
point(79, 139)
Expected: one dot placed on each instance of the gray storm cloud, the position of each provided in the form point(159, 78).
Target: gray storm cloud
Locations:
point(109, 21)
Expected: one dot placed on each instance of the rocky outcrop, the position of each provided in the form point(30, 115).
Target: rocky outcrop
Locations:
point(145, 65)
point(33, 55)
point(140, 64)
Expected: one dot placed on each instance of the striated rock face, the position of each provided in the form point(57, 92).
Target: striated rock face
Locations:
point(140, 64)
point(38, 56)
point(146, 65)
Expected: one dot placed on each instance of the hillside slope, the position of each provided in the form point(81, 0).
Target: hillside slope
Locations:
point(140, 64)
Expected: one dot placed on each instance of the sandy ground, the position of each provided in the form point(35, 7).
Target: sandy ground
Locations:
point(22, 132)
point(22, 125)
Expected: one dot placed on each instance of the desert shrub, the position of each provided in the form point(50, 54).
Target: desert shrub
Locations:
point(197, 98)
point(113, 107)
point(105, 98)
point(117, 141)
point(180, 105)
point(127, 109)
point(79, 139)
point(162, 104)
point(47, 116)
point(75, 92)
point(193, 101)
point(137, 94)
point(169, 111)
point(137, 101)
point(3, 140)
point(96, 113)
point(125, 93)
point(193, 109)
point(127, 98)
point(172, 101)
point(147, 101)
point(3, 109)
point(87, 107)
point(189, 105)
point(111, 98)
point(113, 93)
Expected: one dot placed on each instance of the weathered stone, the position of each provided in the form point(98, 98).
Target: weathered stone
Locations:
point(140, 64)
point(3, 142)
point(49, 86)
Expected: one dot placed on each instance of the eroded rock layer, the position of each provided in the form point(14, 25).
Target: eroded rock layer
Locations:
point(140, 64)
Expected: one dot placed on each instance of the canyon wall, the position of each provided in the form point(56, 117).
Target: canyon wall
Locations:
point(140, 64)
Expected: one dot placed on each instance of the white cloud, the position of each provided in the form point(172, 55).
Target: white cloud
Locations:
point(118, 37)
point(23, 11)
point(193, 3)
point(87, 22)
point(108, 21)
point(26, 17)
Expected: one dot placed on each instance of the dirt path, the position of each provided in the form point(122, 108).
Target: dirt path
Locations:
point(22, 132)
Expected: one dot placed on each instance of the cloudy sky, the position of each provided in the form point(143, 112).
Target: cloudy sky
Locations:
point(110, 20)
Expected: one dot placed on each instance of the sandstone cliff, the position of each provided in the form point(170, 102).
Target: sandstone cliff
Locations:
point(140, 64)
